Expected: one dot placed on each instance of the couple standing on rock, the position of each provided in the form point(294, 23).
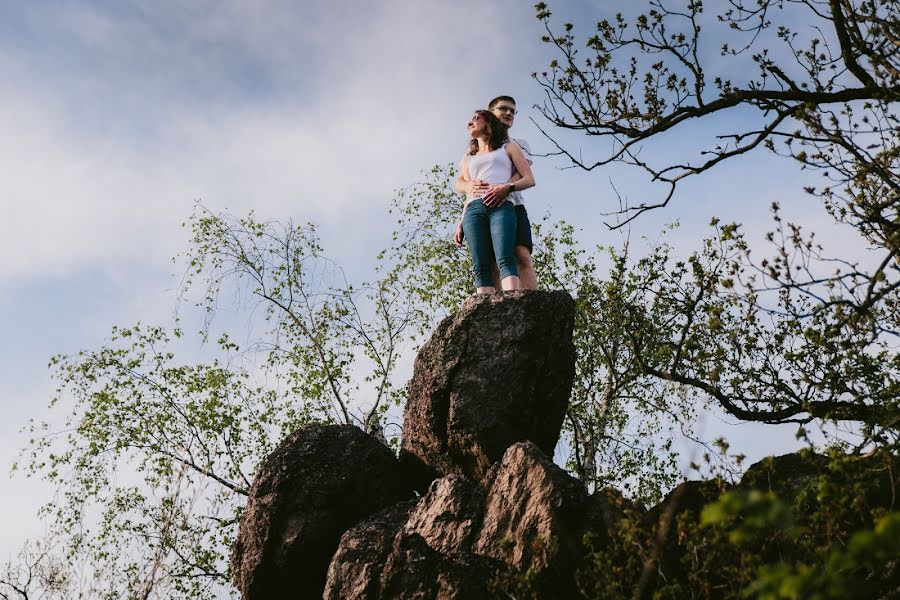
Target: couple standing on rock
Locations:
point(492, 175)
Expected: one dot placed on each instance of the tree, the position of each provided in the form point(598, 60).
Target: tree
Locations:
point(157, 455)
point(620, 424)
point(800, 336)
point(36, 574)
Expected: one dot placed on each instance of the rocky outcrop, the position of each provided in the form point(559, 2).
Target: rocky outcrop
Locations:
point(527, 515)
point(319, 482)
point(332, 509)
point(355, 570)
point(416, 550)
point(534, 517)
point(497, 372)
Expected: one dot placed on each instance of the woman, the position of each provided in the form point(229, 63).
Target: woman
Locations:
point(490, 231)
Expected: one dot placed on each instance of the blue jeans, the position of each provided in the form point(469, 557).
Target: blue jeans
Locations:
point(490, 232)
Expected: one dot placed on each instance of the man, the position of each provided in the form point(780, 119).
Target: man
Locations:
point(504, 107)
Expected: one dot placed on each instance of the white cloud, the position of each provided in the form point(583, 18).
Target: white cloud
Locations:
point(123, 114)
point(104, 165)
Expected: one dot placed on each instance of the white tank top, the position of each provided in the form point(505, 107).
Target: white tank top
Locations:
point(493, 167)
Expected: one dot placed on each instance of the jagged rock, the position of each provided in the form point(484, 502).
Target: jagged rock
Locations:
point(419, 551)
point(449, 517)
point(497, 372)
point(785, 474)
point(526, 515)
point(355, 570)
point(416, 571)
point(318, 483)
point(535, 518)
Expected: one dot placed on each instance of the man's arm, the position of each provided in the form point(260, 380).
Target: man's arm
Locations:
point(497, 195)
point(523, 167)
point(521, 179)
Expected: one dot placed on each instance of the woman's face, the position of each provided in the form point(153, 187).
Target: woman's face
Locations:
point(477, 125)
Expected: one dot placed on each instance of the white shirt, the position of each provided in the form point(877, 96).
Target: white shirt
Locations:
point(516, 198)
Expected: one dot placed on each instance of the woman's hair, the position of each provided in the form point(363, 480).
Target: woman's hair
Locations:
point(498, 132)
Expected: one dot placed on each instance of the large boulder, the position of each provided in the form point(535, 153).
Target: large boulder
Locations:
point(786, 474)
point(416, 571)
point(468, 540)
point(420, 551)
point(355, 570)
point(535, 518)
point(497, 372)
point(321, 481)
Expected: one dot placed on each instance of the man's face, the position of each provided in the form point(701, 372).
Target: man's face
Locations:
point(505, 111)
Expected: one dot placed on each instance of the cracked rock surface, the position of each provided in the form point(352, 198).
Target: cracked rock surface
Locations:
point(497, 372)
point(319, 482)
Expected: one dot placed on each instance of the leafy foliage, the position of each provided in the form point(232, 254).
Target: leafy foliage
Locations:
point(620, 423)
point(800, 336)
point(800, 526)
point(157, 455)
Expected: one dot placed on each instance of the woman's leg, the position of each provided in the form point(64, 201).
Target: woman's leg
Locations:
point(503, 238)
point(478, 238)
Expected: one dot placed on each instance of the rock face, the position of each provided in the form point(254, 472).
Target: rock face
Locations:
point(785, 474)
point(497, 372)
point(419, 550)
point(319, 482)
point(332, 510)
point(465, 540)
point(355, 570)
point(534, 517)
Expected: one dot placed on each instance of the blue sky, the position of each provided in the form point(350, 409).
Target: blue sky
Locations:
point(118, 116)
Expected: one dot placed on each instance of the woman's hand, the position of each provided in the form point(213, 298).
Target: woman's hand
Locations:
point(496, 195)
point(458, 235)
point(477, 188)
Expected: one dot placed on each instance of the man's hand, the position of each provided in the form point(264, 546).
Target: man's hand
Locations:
point(496, 195)
point(458, 235)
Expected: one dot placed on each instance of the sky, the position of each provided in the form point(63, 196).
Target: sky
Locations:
point(116, 117)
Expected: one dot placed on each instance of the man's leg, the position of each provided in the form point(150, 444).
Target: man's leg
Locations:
point(524, 264)
point(526, 268)
point(496, 274)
